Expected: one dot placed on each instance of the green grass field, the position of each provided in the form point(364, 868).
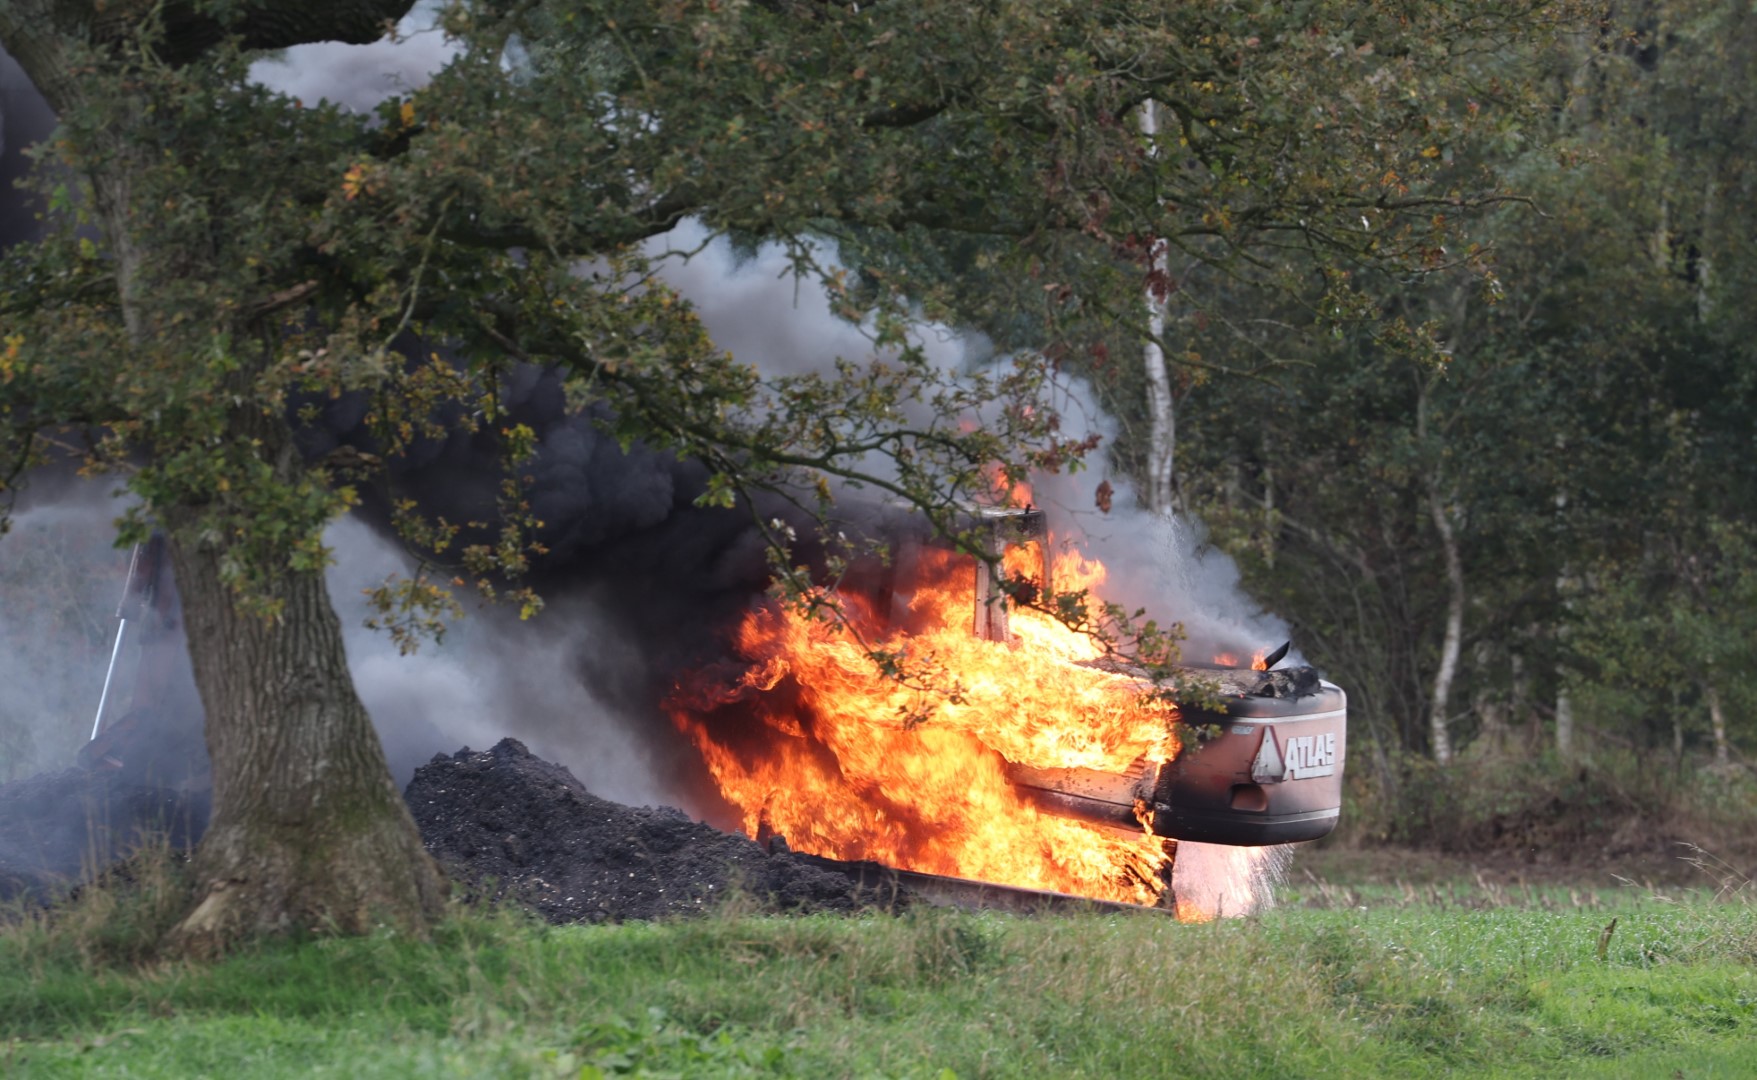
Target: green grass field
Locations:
point(1379, 989)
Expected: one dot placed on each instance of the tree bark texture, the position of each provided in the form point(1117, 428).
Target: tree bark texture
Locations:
point(1161, 409)
point(1438, 709)
point(1439, 729)
point(309, 832)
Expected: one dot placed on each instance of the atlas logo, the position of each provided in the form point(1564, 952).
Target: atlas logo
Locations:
point(1304, 756)
point(1311, 755)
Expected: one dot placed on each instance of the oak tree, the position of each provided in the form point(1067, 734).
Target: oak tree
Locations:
point(217, 255)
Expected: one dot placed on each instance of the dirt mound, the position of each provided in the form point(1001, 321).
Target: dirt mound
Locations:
point(55, 828)
point(500, 819)
point(530, 828)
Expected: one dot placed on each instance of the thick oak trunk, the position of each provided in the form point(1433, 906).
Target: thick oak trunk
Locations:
point(309, 832)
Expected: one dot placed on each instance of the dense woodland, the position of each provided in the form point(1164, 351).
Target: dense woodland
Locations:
point(1496, 469)
point(1538, 536)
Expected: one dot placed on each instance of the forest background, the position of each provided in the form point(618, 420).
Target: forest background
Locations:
point(1531, 562)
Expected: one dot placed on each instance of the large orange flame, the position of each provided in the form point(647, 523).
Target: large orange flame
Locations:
point(810, 740)
point(1258, 661)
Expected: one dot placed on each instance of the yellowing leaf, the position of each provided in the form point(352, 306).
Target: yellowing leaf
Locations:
point(353, 181)
point(1431, 152)
point(9, 357)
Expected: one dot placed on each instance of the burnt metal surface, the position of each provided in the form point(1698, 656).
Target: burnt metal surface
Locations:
point(875, 879)
point(1271, 775)
point(1268, 771)
point(1292, 682)
point(1092, 795)
point(1227, 682)
point(998, 530)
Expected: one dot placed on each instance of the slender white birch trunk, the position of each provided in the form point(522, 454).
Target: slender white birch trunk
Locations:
point(1162, 443)
point(1439, 708)
point(1439, 732)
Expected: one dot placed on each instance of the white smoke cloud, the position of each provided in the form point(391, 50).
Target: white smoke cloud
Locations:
point(760, 312)
point(60, 581)
point(357, 77)
point(1161, 562)
point(491, 677)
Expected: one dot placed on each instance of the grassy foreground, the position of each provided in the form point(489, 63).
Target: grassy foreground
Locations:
point(1387, 990)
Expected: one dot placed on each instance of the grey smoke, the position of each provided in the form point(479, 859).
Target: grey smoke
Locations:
point(358, 77)
point(759, 311)
point(1162, 562)
point(639, 578)
point(25, 119)
point(62, 583)
point(491, 676)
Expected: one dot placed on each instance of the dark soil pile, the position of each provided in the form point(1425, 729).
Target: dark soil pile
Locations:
point(56, 828)
point(506, 821)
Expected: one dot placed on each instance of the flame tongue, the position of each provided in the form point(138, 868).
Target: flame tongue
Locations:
point(812, 742)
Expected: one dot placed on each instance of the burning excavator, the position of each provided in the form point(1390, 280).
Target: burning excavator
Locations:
point(1032, 760)
point(1011, 753)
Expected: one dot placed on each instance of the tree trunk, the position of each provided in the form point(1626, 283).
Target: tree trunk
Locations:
point(1439, 708)
point(308, 832)
point(1161, 409)
point(1564, 703)
point(1269, 524)
point(1677, 731)
point(1564, 723)
point(1519, 705)
point(1162, 444)
point(1439, 704)
point(1565, 593)
point(1717, 721)
point(1491, 708)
